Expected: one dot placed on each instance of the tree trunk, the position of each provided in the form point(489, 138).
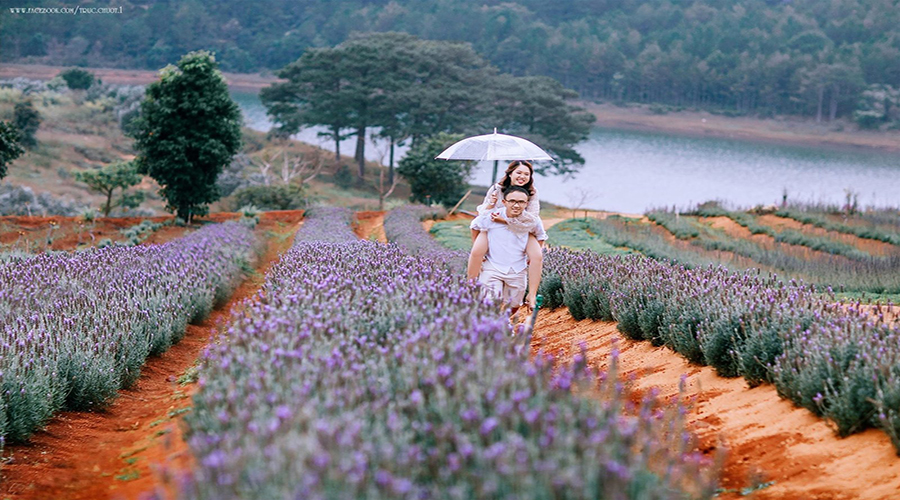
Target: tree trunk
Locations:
point(835, 92)
point(391, 164)
point(361, 151)
point(337, 146)
point(821, 99)
point(108, 205)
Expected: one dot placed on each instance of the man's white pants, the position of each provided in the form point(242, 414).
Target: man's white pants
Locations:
point(508, 286)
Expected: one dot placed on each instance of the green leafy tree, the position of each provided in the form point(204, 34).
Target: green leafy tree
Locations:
point(188, 131)
point(877, 104)
point(109, 178)
point(314, 94)
point(27, 120)
point(538, 108)
point(431, 180)
point(9, 146)
point(77, 78)
point(404, 86)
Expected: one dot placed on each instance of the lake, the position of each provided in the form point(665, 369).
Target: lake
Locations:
point(633, 171)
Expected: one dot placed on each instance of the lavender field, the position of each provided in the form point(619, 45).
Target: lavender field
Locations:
point(364, 372)
point(77, 327)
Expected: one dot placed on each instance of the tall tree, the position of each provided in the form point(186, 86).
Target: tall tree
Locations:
point(9, 146)
point(397, 83)
point(538, 108)
point(188, 131)
point(314, 94)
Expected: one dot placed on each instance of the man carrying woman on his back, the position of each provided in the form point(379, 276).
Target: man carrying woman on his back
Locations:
point(509, 234)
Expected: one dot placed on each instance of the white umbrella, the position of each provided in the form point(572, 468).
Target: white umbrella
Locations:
point(494, 147)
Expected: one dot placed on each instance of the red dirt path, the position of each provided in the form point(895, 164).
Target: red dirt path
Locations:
point(119, 453)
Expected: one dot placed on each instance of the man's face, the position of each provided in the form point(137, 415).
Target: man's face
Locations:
point(515, 203)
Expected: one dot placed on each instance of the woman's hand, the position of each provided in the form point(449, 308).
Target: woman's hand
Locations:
point(496, 217)
point(492, 201)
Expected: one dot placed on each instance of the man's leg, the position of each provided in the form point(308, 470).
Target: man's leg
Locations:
point(476, 255)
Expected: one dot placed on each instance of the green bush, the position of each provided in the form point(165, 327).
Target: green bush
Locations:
point(277, 197)
point(77, 79)
point(343, 177)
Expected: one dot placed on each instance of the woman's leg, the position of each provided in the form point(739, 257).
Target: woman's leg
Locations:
point(535, 266)
point(476, 256)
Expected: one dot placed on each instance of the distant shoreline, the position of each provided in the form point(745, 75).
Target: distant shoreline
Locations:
point(781, 130)
point(243, 82)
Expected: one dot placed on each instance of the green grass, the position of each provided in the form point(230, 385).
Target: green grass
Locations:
point(576, 234)
point(453, 234)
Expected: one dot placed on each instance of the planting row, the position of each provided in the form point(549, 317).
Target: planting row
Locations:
point(840, 362)
point(828, 243)
point(76, 328)
point(364, 372)
point(703, 245)
point(403, 226)
point(880, 225)
point(326, 224)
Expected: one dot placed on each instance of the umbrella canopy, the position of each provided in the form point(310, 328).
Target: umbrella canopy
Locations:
point(494, 147)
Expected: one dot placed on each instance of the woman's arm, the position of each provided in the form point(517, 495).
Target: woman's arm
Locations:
point(490, 199)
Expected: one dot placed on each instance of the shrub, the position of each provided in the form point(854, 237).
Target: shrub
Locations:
point(77, 78)
point(274, 197)
point(27, 120)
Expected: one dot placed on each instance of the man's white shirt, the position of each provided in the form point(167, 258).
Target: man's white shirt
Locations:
point(506, 249)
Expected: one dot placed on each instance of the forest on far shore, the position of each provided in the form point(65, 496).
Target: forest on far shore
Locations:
point(819, 58)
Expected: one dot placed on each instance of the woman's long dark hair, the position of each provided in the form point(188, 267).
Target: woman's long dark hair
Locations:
point(505, 182)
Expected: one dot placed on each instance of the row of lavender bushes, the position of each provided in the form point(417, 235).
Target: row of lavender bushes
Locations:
point(844, 264)
point(403, 226)
point(876, 224)
point(840, 361)
point(364, 372)
point(76, 328)
point(326, 224)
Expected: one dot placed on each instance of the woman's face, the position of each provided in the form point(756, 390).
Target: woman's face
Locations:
point(520, 176)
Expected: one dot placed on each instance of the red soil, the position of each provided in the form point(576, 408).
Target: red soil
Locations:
point(370, 226)
point(767, 438)
point(67, 233)
point(127, 450)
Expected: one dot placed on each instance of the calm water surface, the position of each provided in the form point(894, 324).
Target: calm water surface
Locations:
point(633, 171)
